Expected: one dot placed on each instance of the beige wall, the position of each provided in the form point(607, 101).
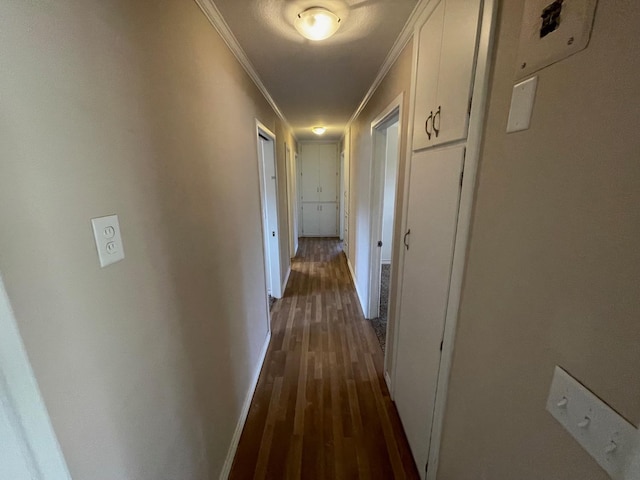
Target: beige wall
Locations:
point(397, 81)
point(552, 276)
point(138, 109)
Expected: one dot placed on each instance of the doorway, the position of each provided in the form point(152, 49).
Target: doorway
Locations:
point(269, 208)
point(386, 153)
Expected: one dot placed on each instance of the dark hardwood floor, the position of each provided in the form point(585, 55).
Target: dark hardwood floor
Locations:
point(321, 407)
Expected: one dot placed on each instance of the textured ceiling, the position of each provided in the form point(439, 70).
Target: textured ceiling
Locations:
point(316, 83)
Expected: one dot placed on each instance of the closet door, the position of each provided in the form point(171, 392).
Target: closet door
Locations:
point(429, 47)
point(310, 219)
point(457, 66)
point(310, 191)
point(434, 193)
point(328, 172)
point(328, 219)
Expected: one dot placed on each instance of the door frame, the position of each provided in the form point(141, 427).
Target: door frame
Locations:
point(21, 399)
point(292, 200)
point(273, 269)
point(385, 119)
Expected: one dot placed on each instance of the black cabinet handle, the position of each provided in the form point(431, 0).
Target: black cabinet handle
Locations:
point(405, 239)
point(436, 115)
point(426, 125)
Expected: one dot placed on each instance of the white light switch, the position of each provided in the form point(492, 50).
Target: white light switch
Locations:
point(106, 231)
point(522, 99)
point(601, 431)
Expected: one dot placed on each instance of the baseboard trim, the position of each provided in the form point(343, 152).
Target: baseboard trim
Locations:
point(355, 283)
point(226, 468)
point(387, 380)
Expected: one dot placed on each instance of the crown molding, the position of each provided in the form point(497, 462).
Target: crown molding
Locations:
point(402, 40)
point(215, 18)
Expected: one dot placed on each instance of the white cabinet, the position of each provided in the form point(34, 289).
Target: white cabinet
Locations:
point(433, 212)
point(319, 219)
point(446, 49)
point(319, 189)
point(319, 170)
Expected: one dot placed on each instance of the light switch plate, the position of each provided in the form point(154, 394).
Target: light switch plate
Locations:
point(601, 431)
point(106, 231)
point(522, 100)
point(539, 48)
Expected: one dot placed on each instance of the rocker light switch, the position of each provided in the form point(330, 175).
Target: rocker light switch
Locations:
point(106, 231)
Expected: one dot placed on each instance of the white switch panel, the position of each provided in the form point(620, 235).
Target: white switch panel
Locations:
point(604, 434)
point(522, 99)
point(106, 231)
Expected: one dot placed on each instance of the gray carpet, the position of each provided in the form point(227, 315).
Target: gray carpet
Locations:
point(380, 323)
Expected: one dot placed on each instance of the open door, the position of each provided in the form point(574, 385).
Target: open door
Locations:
point(269, 205)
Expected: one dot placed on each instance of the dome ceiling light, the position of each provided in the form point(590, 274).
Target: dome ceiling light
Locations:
point(318, 130)
point(317, 23)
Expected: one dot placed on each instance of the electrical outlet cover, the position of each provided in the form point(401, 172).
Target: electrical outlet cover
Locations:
point(106, 231)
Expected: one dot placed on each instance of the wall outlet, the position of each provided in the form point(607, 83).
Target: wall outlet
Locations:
point(601, 431)
point(106, 231)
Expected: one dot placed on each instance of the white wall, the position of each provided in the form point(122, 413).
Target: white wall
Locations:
point(389, 195)
point(139, 110)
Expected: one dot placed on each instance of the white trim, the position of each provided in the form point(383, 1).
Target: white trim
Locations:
point(276, 287)
point(474, 142)
point(387, 380)
point(20, 396)
point(218, 22)
point(231, 453)
point(355, 283)
point(286, 279)
point(401, 41)
point(375, 211)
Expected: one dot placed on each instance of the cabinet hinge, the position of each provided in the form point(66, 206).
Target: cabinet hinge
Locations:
point(441, 342)
point(461, 177)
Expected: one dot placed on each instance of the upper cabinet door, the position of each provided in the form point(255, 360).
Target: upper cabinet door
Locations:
point(444, 79)
point(457, 66)
point(429, 48)
point(328, 172)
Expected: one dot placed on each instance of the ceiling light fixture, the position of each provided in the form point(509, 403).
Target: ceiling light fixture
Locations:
point(318, 130)
point(317, 23)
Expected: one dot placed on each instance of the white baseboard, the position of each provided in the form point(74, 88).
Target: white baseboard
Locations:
point(226, 468)
point(387, 380)
point(286, 279)
point(360, 297)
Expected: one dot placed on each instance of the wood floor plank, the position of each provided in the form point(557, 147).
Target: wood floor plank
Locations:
point(321, 409)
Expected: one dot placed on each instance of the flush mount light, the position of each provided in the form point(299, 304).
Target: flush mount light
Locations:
point(318, 130)
point(317, 23)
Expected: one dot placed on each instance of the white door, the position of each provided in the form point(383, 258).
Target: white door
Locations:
point(328, 172)
point(328, 220)
point(433, 210)
point(457, 65)
point(319, 189)
point(429, 46)
point(270, 215)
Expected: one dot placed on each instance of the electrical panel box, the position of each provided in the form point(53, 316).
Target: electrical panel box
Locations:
point(551, 31)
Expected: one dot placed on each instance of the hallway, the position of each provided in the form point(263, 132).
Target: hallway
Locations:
point(321, 408)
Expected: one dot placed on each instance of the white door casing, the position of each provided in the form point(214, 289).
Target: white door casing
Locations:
point(28, 445)
point(269, 207)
